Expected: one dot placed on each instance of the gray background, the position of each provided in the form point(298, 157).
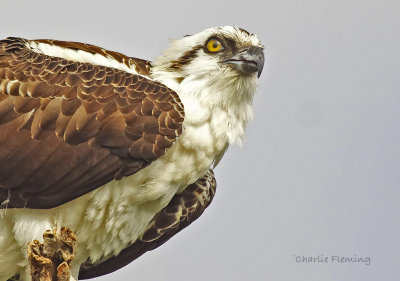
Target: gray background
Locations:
point(319, 170)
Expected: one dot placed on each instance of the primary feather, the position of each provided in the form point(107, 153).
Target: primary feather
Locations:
point(106, 144)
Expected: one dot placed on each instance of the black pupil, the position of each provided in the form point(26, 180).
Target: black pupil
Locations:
point(215, 45)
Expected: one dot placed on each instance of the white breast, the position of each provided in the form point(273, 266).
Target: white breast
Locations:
point(113, 216)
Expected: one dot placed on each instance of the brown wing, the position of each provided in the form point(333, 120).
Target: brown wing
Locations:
point(183, 209)
point(141, 66)
point(69, 127)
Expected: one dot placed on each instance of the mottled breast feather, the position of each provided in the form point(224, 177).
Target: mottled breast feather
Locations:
point(69, 127)
point(183, 209)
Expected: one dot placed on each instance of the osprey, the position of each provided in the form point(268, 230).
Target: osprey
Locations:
point(118, 149)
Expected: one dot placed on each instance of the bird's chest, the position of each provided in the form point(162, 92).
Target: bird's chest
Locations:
point(113, 216)
point(118, 213)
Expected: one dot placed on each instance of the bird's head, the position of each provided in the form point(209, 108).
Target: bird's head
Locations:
point(215, 58)
point(215, 74)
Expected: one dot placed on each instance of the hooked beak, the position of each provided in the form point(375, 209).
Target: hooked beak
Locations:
point(248, 61)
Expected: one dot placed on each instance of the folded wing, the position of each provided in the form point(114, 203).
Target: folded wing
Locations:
point(183, 209)
point(68, 127)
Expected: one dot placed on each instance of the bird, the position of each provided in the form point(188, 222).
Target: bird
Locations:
point(121, 150)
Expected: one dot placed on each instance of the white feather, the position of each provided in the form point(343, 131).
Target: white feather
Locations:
point(218, 105)
point(79, 56)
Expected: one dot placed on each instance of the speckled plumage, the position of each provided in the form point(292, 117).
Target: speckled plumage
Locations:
point(111, 117)
point(116, 148)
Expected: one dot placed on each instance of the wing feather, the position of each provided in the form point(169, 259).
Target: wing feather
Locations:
point(68, 127)
point(183, 209)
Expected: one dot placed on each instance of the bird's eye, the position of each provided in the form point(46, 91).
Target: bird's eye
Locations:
point(213, 46)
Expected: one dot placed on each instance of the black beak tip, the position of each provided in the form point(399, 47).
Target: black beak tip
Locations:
point(249, 62)
point(260, 69)
point(259, 59)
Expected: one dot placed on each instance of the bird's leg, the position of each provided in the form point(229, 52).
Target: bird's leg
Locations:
point(67, 251)
point(51, 261)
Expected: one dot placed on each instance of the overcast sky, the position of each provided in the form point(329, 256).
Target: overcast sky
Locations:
point(318, 175)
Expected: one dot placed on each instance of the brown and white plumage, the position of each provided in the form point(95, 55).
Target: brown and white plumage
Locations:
point(113, 123)
point(116, 148)
point(183, 209)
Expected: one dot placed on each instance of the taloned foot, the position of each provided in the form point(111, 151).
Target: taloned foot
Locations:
point(51, 261)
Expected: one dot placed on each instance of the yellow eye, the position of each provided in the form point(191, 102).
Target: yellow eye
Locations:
point(213, 45)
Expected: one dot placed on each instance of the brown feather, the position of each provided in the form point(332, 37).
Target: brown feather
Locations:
point(69, 127)
point(181, 211)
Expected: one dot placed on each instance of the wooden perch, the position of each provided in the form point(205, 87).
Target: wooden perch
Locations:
point(51, 261)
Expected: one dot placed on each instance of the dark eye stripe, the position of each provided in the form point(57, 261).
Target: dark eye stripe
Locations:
point(185, 59)
point(231, 43)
